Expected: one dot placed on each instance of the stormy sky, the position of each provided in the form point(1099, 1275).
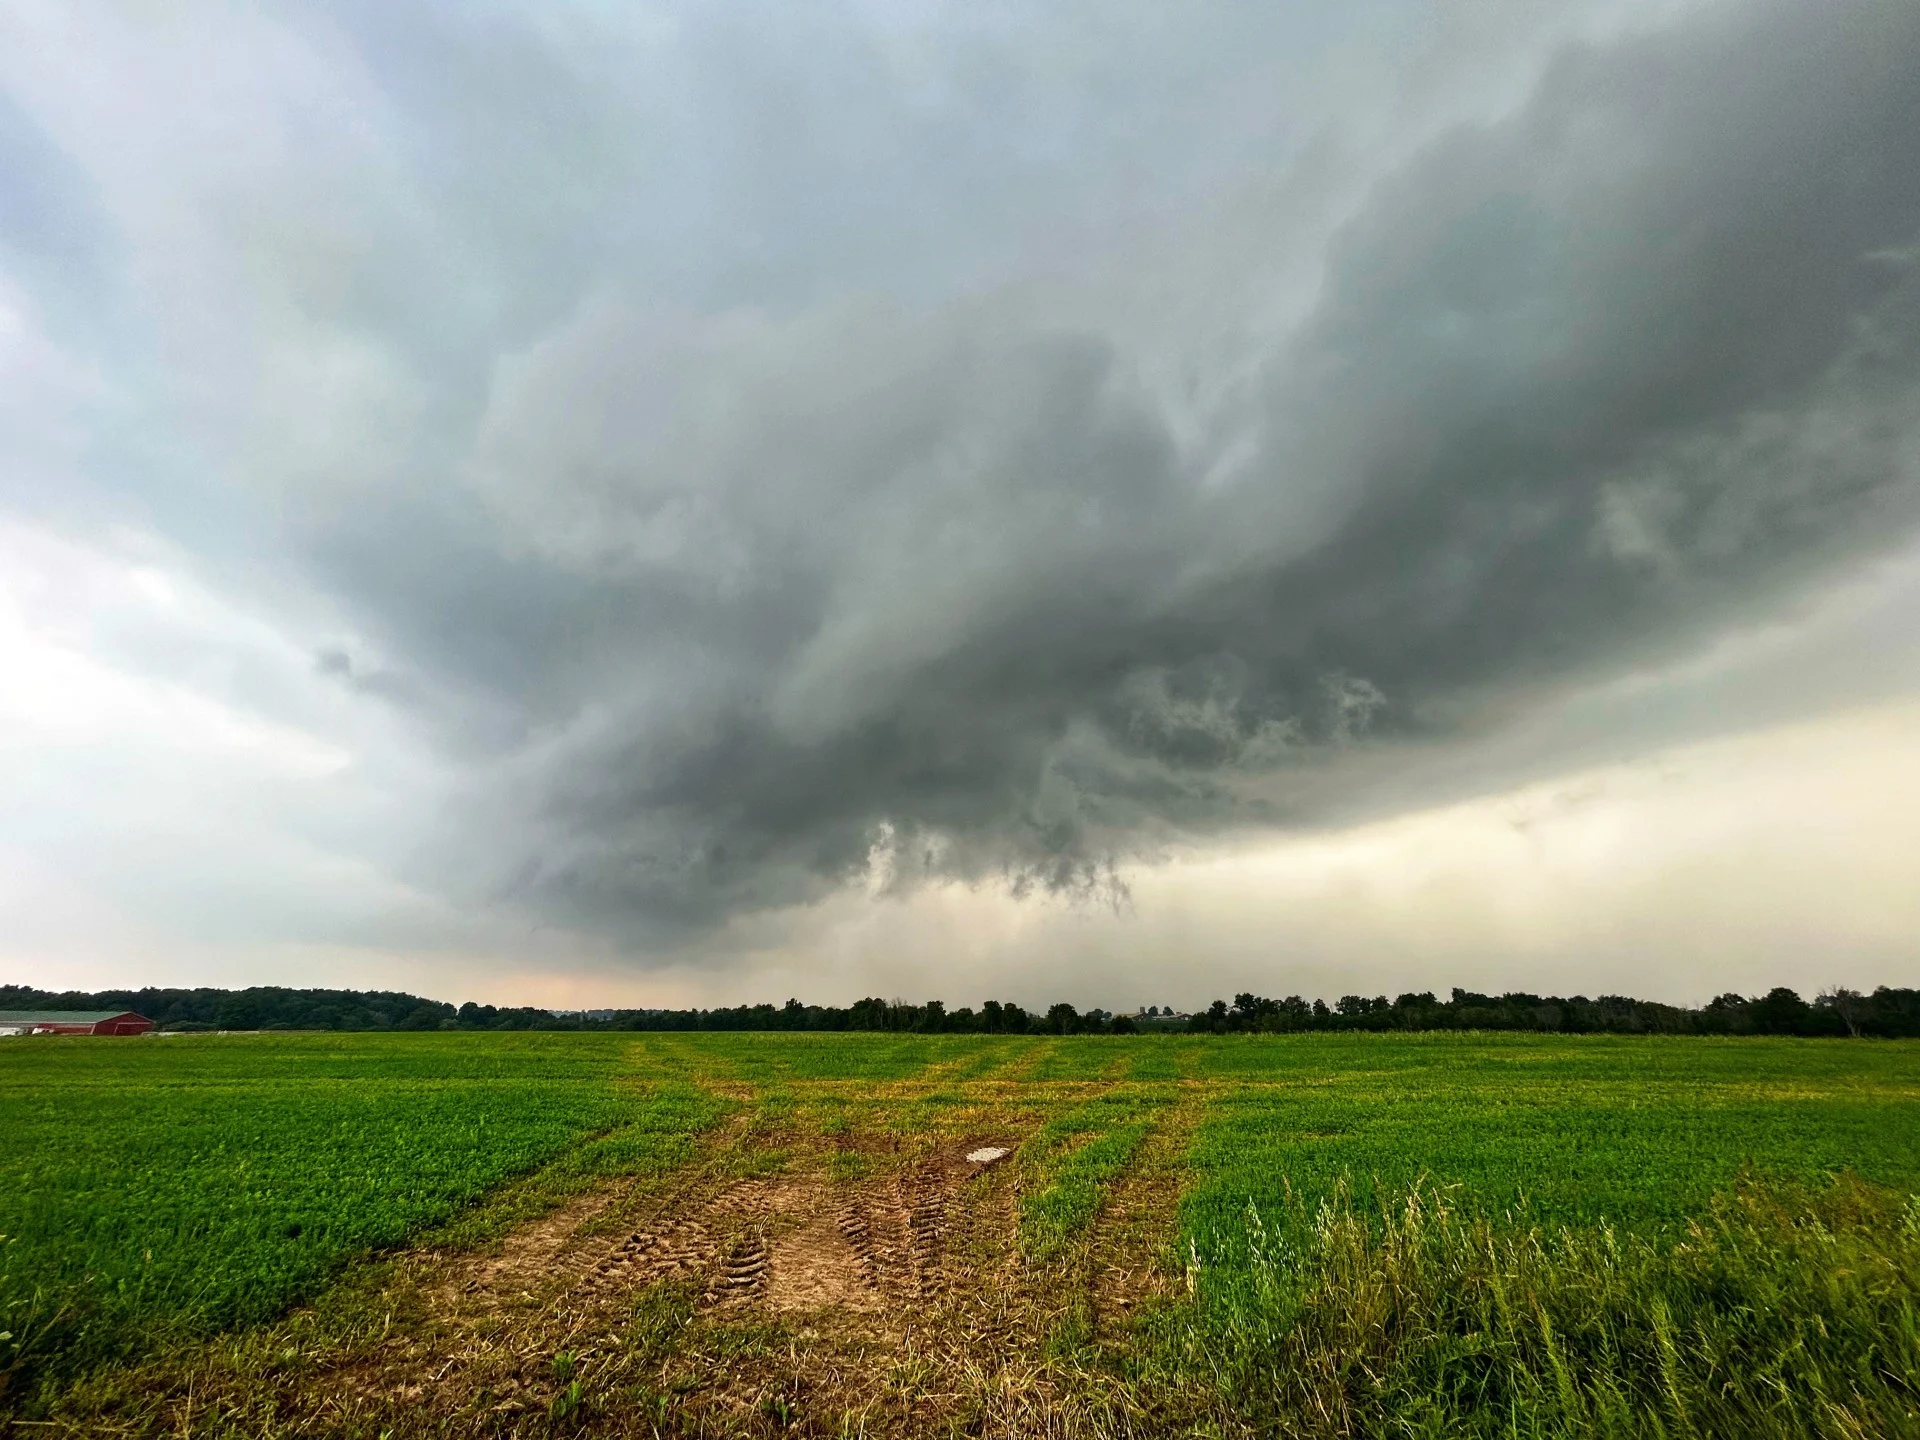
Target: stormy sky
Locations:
point(657, 503)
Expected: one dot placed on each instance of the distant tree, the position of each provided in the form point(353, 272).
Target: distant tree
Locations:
point(1256, 1012)
point(1726, 1014)
point(1781, 1011)
point(1847, 1005)
point(1892, 1013)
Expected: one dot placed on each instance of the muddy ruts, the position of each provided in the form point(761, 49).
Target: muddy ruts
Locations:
point(744, 1272)
point(671, 1245)
point(649, 1255)
point(856, 1227)
point(923, 1204)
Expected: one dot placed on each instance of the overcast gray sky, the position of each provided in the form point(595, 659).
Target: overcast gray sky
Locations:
point(1118, 502)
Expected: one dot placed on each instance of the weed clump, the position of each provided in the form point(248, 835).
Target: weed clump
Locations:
point(1779, 1312)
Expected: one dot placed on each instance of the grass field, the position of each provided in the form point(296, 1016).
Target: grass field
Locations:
point(756, 1234)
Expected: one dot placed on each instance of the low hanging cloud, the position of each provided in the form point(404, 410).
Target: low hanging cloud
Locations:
point(1580, 385)
point(716, 602)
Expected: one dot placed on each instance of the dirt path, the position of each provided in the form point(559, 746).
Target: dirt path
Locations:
point(736, 1300)
point(1133, 1237)
point(789, 1281)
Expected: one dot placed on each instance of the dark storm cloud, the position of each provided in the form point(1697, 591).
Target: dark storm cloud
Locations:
point(776, 593)
point(752, 452)
point(1585, 376)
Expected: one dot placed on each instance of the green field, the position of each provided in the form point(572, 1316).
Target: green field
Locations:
point(1437, 1234)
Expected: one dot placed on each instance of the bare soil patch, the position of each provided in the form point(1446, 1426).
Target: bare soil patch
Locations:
point(865, 1283)
point(826, 1287)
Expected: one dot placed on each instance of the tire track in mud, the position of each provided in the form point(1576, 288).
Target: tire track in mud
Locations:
point(742, 1275)
point(895, 1230)
point(901, 1294)
point(856, 1227)
point(924, 1204)
point(1130, 1254)
point(488, 1329)
point(797, 1242)
point(918, 1260)
point(674, 1243)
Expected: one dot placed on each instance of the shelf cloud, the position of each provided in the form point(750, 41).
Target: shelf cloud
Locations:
point(699, 461)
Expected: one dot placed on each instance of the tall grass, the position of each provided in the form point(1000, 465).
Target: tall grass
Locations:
point(1778, 1313)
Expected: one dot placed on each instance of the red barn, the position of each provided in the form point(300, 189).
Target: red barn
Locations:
point(73, 1022)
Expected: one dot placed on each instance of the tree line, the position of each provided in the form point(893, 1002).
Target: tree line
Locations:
point(1886, 1013)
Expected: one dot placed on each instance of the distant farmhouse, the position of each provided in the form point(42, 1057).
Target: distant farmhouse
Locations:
point(73, 1022)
